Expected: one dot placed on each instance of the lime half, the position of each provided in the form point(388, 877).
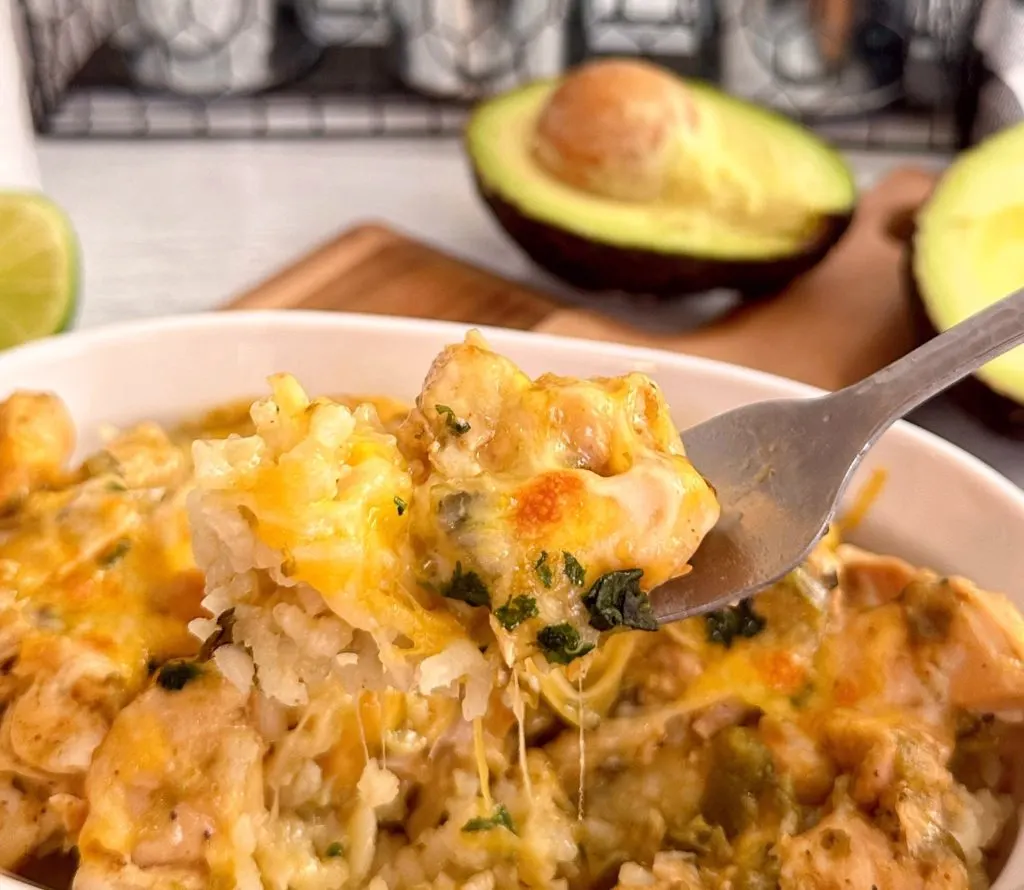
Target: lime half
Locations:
point(38, 268)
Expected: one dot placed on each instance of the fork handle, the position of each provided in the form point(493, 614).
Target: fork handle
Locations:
point(887, 395)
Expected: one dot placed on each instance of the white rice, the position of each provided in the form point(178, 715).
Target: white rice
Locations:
point(286, 638)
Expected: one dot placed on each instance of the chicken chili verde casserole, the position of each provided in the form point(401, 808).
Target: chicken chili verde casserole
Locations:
point(346, 643)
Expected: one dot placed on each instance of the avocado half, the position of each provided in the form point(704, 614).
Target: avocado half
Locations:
point(967, 252)
point(624, 177)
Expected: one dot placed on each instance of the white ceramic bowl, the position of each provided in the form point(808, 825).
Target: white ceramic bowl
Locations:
point(939, 507)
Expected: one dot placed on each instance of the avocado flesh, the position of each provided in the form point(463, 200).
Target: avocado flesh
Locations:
point(968, 253)
point(753, 199)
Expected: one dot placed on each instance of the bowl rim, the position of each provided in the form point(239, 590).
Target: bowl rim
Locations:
point(80, 343)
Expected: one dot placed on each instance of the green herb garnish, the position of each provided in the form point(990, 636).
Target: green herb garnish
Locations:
point(561, 643)
point(501, 819)
point(176, 675)
point(334, 850)
point(543, 569)
point(467, 587)
point(616, 600)
point(574, 571)
point(516, 611)
point(115, 554)
point(726, 624)
point(400, 505)
point(455, 424)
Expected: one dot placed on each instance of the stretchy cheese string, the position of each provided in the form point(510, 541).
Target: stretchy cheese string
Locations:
point(362, 729)
point(481, 762)
point(583, 751)
point(519, 709)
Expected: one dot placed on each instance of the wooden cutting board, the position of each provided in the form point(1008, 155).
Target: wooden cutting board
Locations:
point(843, 320)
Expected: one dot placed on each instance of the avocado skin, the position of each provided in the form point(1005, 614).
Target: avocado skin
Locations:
point(998, 412)
point(592, 266)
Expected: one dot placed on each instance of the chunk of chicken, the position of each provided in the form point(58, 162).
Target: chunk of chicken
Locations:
point(53, 727)
point(96, 580)
point(870, 664)
point(962, 638)
point(846, 851)
point(36, 441)
point(32, 819)
point(899, 774)
point(175, 792)
point(971, 637)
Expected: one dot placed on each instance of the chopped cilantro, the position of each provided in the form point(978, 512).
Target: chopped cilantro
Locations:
point(223, 635)
point(176, 675)
point(500, 819)
point(561, 643)
point(467, 587)
point(574, 571)
point(334, 850)
point(726, 624)
point(114, 554)
point(400, 505)
point(516, 611)
point(543, 569)
point(616, 600)
point(455, 424)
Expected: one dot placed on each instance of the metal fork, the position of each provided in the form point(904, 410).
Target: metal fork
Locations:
point(780, 467)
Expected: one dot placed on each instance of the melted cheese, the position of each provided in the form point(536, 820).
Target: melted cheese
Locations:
point(318, 486)
point(400, 734)
point(489, 476)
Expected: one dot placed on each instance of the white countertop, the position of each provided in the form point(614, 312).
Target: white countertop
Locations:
point(181, 226)
point(171, 227)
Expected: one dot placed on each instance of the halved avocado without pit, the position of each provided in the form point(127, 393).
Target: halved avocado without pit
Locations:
point(968, 252)
point(624, 177)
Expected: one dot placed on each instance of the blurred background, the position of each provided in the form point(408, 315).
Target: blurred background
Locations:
point(231, 115)
point(889, 74)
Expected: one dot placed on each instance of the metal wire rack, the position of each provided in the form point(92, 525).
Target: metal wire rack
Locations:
point(334, 68)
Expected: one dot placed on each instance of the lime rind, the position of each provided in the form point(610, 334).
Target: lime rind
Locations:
point(39, 268)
